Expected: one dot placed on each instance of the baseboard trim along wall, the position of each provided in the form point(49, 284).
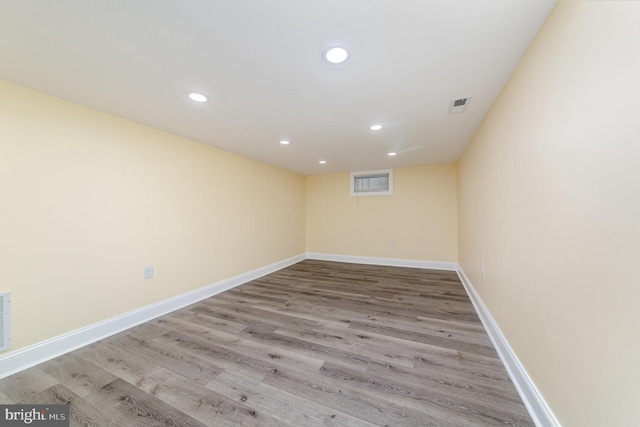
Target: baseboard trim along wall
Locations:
point(394, 262)
point(27, 357)
point(536, 405)
point(32, 355)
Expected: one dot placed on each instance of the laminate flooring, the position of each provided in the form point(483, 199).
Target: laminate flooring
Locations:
point(315, 344)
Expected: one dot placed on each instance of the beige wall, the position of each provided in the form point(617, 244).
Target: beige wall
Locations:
point(549, 200)
point(421, 216)
point(89, 200)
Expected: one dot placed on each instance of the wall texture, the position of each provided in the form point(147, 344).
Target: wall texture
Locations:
point(89, 200)
point(421, 216)
point(549, 201)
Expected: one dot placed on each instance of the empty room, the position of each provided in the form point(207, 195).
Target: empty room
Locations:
point(304, 213)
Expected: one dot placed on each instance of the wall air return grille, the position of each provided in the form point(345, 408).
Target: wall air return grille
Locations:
point(5, 321)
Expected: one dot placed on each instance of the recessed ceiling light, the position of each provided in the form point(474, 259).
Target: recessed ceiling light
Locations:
point(322, 162)
point(197, 97)
point(375, 127)
point(337, 55)
point(284, 142)
point(392, 154)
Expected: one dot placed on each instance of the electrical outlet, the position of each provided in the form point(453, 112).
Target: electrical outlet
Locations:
point(148, 272)
point(482, 271)
point(394, 242)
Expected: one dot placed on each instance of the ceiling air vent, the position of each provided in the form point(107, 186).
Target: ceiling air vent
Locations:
point(459, 105)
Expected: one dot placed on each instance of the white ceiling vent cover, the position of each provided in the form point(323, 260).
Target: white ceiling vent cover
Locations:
point(5, 321)
point(459, 105)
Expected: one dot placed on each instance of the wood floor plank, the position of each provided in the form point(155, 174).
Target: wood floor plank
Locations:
point(27, 383)
point(442, 339)
point(323, 352)
point(192, 318)
point(77, 374)
point(130, 406)
point(222, 357)
point(138, 370)
point(260, 351)
point(81, 413)
point(250, 315)
point(434, 401)
point(209, 406)
point(288, 408)
point(357, 343)
point(191, 368)
point(316, 344)
point(455, 397)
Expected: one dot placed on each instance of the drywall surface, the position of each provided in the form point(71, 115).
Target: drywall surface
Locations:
point(549, 201)
point(90, 200)
point(417, 222)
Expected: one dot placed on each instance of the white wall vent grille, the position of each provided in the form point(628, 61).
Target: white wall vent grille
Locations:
point(5, 321)
point(459, 105)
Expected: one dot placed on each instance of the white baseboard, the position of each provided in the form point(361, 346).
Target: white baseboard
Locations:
point(32, 355)
point(395, 262)
point(27, 357)
point(536, 405)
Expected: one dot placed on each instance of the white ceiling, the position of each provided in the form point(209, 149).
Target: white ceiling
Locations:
point(261, 64)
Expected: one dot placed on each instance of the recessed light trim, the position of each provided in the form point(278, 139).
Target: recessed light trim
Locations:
point(392, 153)
point(285, 142)
point(323, 162)
point(375, 127)
point(336, 55)
point(197, 97)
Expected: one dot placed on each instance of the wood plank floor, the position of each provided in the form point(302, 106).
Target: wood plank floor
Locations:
point(318, 343)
